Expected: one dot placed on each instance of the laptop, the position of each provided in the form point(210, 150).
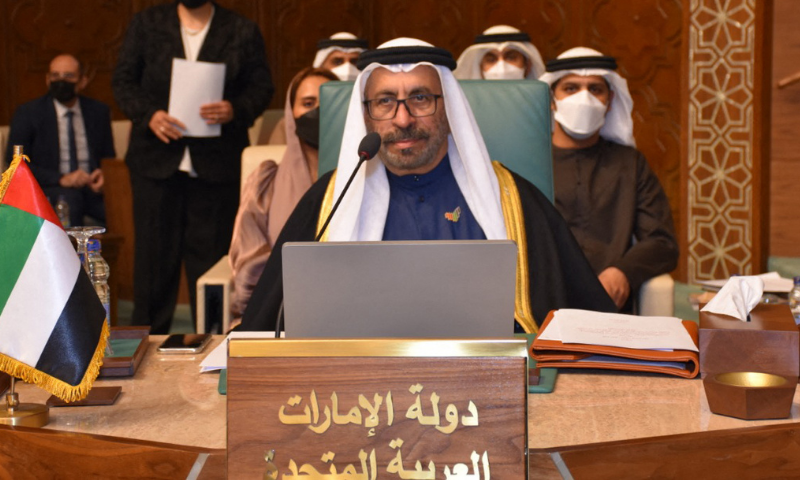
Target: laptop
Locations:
point(408, 289)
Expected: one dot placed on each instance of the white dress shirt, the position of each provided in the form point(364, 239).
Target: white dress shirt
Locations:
point(192, 43)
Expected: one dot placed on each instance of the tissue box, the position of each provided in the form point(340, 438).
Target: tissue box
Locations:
point(768, 343)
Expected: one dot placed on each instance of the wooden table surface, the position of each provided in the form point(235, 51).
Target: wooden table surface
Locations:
point(169, 401)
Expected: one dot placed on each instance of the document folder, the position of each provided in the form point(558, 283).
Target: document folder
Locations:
point(553, 353)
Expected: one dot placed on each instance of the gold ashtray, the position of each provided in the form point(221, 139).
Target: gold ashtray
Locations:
point(750, 395)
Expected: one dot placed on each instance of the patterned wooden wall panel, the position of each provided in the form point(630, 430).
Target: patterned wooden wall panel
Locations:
point(724, 146)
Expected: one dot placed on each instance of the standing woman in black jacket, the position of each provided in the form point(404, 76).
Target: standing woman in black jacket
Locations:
point(185, 189)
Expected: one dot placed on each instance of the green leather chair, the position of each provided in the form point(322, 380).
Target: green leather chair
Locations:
point(513, 115)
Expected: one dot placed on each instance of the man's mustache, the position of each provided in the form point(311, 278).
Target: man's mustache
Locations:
point(410, 133)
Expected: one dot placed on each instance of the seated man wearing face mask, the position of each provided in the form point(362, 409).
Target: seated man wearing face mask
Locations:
point(339, 55)
point(500, 53)
point(66, 135)
point(272, 190)
point(604, 188)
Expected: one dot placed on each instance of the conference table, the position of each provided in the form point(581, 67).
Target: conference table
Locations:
point(174, 417)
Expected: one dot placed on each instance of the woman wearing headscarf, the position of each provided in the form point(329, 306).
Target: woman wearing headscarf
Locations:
point(272, 190)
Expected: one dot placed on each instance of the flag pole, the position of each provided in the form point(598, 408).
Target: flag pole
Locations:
point(23, 414)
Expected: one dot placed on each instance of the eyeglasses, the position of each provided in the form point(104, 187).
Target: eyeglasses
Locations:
point(385, 108)
point(68, 76)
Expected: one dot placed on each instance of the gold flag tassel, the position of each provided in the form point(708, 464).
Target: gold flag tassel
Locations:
point(6, 179)
point(59, 388)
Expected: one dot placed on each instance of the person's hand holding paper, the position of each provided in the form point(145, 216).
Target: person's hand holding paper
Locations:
point(217, 112)
point(195, 97)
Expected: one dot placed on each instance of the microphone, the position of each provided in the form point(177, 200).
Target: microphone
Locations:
point(367, 149)
point(369, 146)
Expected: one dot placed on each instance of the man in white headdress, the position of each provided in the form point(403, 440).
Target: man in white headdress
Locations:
point(500, 53)
point(433, 180)
point(604, 188)
point(339, 54)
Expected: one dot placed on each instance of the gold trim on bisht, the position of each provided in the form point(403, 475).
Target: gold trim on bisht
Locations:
point(515, 229)
point(325, 209)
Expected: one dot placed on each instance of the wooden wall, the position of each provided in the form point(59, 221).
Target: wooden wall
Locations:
point(645, 36)
point(785, 168)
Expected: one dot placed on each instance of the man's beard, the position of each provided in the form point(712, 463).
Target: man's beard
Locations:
point(406, 159)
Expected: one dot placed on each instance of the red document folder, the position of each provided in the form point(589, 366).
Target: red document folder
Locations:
point(553, 353)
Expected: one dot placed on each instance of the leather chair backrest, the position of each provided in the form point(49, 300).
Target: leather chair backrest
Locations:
point(513, 116)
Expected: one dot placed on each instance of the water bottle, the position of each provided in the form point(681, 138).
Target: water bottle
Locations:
point(98, 273)
point(794, 300)
point(62, 211)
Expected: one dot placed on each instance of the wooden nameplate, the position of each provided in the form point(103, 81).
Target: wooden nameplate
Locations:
point(126, 366)
point(768, 343)
point(377, 408)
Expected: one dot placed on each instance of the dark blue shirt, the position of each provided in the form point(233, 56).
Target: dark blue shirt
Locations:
point(429, 207)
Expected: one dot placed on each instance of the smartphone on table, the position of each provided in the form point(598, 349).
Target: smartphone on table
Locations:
point(185, 343)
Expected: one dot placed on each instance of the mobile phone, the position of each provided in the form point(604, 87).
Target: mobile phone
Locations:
point(185, 343)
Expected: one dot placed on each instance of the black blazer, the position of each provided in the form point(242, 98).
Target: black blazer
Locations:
point(141, 84)
point(35, 127)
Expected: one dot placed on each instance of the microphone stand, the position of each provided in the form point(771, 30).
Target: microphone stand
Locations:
point(361, 159)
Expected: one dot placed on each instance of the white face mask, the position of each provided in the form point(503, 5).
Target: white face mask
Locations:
point(504, 71)
point(581, 115)
point(347, 72)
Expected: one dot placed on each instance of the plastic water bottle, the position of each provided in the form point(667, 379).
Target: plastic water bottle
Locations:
point(794, 300)
point(98, 273)
point(62, 211)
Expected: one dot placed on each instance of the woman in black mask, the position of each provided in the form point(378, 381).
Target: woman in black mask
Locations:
point(272, 190)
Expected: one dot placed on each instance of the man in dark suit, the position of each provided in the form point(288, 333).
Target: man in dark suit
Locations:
point(66, 135)
point(185, 189)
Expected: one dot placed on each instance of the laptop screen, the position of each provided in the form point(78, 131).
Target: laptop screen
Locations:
point(410, 289)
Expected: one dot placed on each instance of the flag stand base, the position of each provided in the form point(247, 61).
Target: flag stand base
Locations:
point(26, 415)
point(23, 414)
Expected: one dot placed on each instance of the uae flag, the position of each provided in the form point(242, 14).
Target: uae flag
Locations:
point(52, 325)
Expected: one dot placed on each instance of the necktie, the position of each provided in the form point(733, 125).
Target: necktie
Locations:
point(73, 149)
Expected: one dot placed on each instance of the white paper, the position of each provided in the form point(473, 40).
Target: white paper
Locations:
point(618, 330)
point(737, 297)
point(218, 358)
point(194, 84)
point(773, 283)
